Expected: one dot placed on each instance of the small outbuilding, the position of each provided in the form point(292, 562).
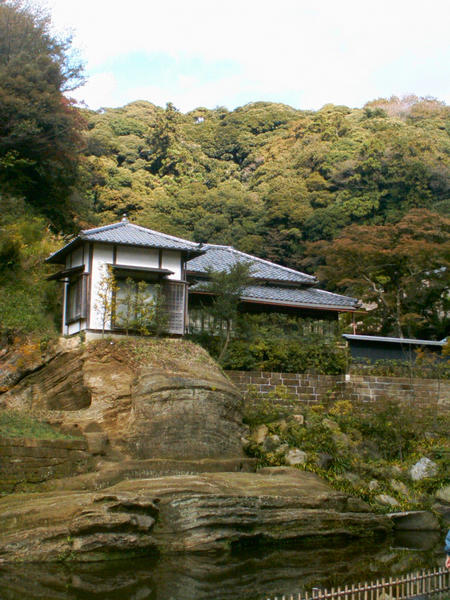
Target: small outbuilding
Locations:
point(372, 348)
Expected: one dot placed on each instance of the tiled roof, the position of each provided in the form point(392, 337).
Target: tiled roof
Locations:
point(302, 297)
point(222, 258)
point(128, 234)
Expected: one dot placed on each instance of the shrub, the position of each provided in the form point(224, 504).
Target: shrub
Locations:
point(280, 343)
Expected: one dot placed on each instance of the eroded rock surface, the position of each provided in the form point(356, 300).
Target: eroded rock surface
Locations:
point(178, 416)
point(205, 512)
point(164, 427)
point(169, 401)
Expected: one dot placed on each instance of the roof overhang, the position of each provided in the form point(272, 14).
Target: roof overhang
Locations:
point(143, 273)
point(66, 273)
point(59, 256)
point(286, 304)
point(391, 340)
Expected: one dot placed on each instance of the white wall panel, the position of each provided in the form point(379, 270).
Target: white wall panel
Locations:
point(171, 259)
point(77, 257)
point(74, 328)
point(102, 255)
point(133, 256)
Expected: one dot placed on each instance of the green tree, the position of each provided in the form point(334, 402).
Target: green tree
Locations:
point(106, 296)
point(29, 305)
point(227, 287)
point(141, 308)
point(39, 127)
point(401, 269)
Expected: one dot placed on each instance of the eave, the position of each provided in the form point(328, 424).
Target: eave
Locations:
point(288, 304)
point(61, 275)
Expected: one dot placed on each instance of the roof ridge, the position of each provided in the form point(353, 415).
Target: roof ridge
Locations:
point(263, 260)
point(102, 228)
point(334, 294)
point(166, 235)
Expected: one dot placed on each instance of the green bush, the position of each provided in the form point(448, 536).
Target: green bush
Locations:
point(28, 303)
point(365, 443)
point(423, 365)
point(296, 355)
point(280, 343)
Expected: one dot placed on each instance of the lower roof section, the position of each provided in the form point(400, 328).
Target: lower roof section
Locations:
point(391, 340)
point(287, 296)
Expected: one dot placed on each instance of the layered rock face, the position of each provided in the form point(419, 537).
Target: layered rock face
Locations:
point(214, 511)
point(170, 401)
point(184, 416)
point(152, 413)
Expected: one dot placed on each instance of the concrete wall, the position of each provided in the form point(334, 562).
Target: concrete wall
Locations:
point(24, 462)
point(326, 389)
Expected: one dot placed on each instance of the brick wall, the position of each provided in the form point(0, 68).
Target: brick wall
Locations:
point(325, 389)
point(24, 462)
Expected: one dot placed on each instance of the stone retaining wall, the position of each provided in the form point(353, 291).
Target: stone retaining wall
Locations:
point(326, 389)
point(28, 461)
point(424, 392)
point(305, 388)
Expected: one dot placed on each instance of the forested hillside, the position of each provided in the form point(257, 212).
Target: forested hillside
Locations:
point(271, 180)
point(358, 196)
point(265, 177)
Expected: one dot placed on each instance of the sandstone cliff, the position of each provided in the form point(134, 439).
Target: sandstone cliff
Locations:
point(163, 427)
point(140, 398)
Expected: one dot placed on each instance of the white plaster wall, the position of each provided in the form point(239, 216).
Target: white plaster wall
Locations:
point(171, 259)
point(133, 256)
point(102, 254)
point(75, 327)
point(77, 257)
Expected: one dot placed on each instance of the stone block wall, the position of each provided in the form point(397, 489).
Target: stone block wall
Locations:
point(428, 393)
point(297, 387)
point(24, 462)
point(325, 389)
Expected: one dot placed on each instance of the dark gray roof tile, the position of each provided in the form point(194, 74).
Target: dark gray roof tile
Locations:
point(126, 233)
point(135, 235)
point(302, 297)
point(222, 258)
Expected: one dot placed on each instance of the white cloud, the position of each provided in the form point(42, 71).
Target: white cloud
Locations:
point(96, 90)
point(322, 52)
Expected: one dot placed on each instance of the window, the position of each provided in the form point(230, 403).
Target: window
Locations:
point(76, 299)
point(175, 297)
point(131, 299)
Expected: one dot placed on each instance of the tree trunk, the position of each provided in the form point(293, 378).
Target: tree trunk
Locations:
point(227, 341)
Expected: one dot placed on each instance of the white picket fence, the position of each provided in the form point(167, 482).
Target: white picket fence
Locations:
point(421, 584)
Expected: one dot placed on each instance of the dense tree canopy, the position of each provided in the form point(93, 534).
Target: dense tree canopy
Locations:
point(402, 269)
point(265, 176)
point(271, 180)
point(39, 126)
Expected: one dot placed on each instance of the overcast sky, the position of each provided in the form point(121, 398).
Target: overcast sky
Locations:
point(303, 53)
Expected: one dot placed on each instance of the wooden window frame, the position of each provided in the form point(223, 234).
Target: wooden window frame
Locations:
point(77, 285)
